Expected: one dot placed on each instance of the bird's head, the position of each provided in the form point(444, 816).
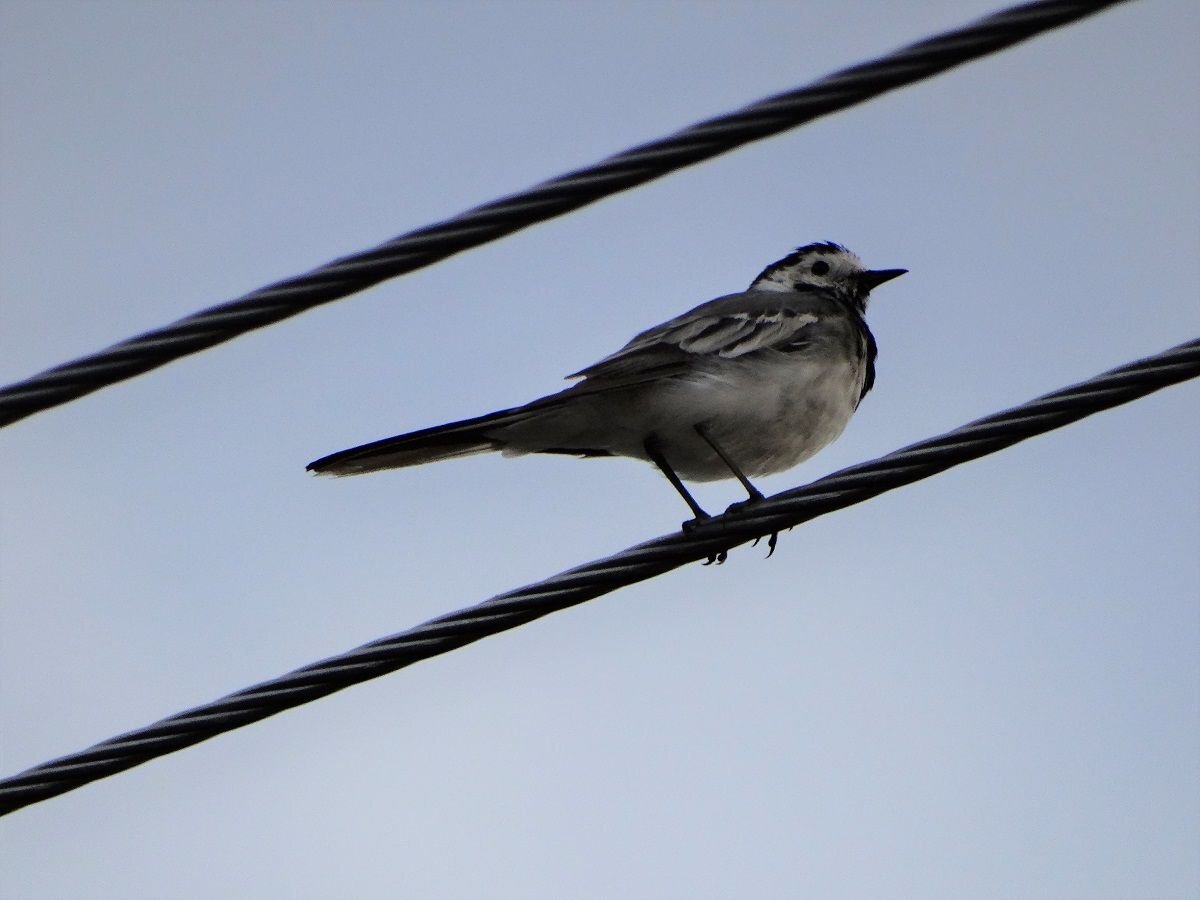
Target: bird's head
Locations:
point(824, 266)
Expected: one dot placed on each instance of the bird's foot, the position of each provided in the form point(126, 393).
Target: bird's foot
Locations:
point(736, 509)
point(691, 525)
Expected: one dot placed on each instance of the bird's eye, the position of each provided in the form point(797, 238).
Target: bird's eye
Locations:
point(820, 267)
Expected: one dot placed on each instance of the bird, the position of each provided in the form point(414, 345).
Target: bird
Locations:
point(745, 385)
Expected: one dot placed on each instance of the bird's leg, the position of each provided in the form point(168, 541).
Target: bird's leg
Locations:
point(755, 494)
point(656, 456)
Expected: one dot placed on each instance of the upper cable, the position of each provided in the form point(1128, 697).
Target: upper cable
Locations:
point(427, 245)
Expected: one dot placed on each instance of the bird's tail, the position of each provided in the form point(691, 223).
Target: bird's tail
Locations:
point(417, 447)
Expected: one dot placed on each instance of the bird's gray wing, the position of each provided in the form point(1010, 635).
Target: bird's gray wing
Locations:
point(726, 328)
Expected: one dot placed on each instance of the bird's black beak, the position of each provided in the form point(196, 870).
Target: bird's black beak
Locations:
point(873, 278)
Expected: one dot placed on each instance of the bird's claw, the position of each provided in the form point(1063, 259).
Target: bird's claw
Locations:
point(721, 556)
point(742, 505)
point(717, 558)
point(772, 541)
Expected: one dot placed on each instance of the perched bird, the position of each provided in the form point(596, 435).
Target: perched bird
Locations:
point(746, 384)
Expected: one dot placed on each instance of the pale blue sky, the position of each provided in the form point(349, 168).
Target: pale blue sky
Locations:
point(983, 685)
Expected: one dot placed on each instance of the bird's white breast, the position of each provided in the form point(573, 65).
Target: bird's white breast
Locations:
point(768, 417)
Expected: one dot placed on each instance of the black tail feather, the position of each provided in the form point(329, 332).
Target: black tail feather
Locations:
point(418, 447)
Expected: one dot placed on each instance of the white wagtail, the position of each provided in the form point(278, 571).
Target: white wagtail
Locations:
point(747, 384)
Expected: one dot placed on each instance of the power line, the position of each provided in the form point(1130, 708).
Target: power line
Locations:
point(575, 586)
point(639, 165)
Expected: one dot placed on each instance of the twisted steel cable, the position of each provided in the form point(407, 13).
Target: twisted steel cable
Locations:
point(430, 244)
point(505, 611)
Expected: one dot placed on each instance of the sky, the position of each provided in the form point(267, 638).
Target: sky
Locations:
point(986, 684)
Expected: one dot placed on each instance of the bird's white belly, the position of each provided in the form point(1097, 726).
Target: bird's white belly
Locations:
point(766, 420)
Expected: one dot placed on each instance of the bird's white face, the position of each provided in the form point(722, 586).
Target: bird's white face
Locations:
point(822, 266)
